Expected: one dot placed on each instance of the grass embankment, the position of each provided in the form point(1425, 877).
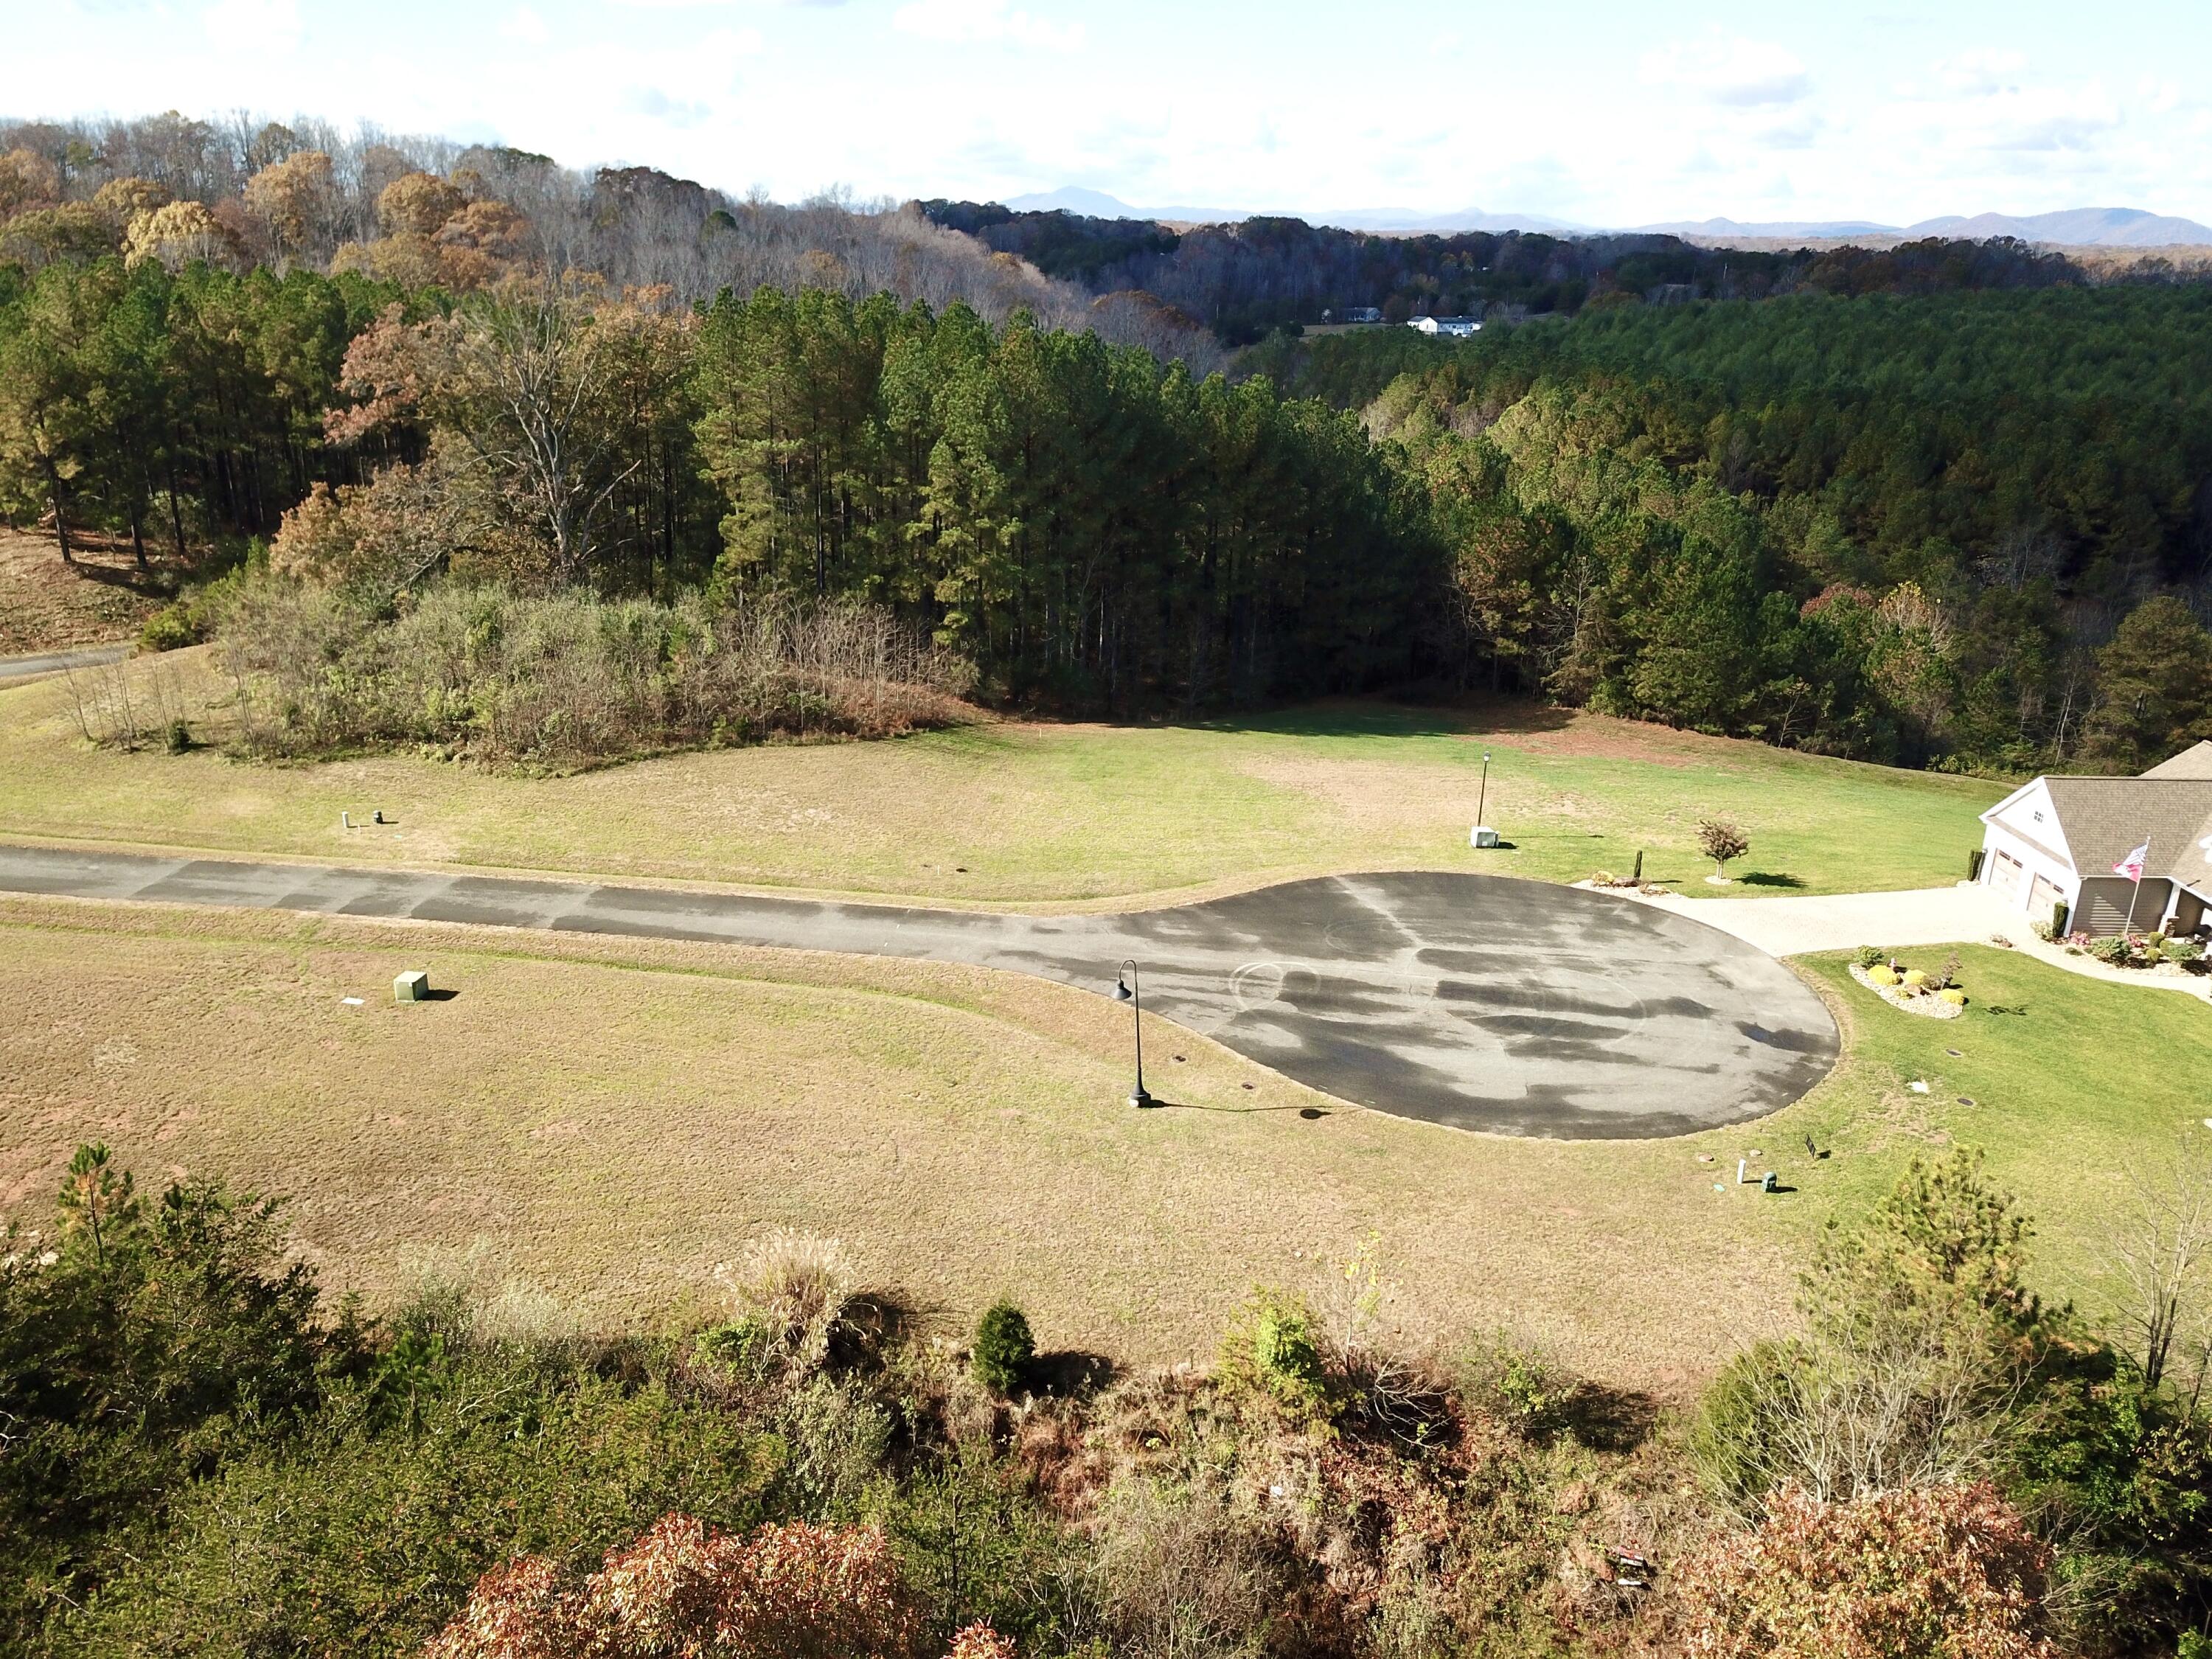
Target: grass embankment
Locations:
point(602, 1121)
point(1020, 813)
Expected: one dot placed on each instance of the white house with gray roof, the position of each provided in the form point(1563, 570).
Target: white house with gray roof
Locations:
point(2059, 840)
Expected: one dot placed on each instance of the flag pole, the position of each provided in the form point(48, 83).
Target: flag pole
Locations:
point(2137, 894)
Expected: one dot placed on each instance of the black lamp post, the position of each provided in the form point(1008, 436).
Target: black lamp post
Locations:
point(1126, 990)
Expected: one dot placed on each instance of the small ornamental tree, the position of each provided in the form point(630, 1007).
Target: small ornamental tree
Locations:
point(1721, 840)
point(1005, 1349)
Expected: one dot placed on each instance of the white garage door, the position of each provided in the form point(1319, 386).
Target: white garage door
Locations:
point(2041, 894)
point(2005, 876)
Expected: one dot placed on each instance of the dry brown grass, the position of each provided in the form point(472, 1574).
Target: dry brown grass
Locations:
point(604, 1120)
point(46, 605)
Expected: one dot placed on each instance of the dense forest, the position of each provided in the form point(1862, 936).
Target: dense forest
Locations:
point(241, 193)
point(1264, 275)
point(1968, 527)
point(1965, 528)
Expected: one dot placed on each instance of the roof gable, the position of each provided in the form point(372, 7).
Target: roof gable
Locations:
point(2194, 762)
point(2028, 815)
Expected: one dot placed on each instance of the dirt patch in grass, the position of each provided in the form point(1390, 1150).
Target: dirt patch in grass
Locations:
point(47, 605)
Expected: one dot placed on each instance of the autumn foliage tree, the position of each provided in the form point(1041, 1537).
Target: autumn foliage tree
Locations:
point(794, 1591)
point(1949, 1572)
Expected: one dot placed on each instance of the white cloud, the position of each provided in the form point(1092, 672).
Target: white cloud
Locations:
point(527, 25)
point(1729, 69)
point(1979, 73)
point(260, 27)
point(978, 21)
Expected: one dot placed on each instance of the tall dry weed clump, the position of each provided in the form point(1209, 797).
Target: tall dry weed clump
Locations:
point(565, 681)
point(121, 705)
point(790, 1292)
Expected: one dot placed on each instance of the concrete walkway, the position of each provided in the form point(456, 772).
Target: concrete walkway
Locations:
point(1843, 921)
point(1482, 1002)
point(1964, 914)
point(54, 662)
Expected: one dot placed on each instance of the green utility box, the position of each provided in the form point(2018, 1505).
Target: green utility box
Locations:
point(413, 986)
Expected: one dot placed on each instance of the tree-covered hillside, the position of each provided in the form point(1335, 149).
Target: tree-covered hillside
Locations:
point(1962, 517)
point(1905, 528)
point(1264, 275)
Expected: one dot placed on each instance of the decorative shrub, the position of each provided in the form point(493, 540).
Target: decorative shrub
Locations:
point(1005, 1349)
point(2113, 948)
point(2182, 949)
point(1882, 975)
point(1868, 956)
point(1954, 995)
point(1914, 979)
point(2045, 931)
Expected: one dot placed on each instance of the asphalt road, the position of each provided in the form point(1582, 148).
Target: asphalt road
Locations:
point(53, 662)
point(1483, 1002)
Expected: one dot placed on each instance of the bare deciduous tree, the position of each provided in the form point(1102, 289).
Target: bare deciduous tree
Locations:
point(2160, 1250)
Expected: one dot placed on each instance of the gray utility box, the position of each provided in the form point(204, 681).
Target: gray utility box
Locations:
point(413, 986)
point(1482, 835)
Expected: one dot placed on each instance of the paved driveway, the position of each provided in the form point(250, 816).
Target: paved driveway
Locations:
point(1482, 1002)
point(1841, 922)
point(53, 662)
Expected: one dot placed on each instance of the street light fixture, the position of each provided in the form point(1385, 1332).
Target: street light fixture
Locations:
point(1482, 835)
point(1126, 990)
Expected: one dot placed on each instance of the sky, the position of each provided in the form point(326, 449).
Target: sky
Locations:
point(1599, 112)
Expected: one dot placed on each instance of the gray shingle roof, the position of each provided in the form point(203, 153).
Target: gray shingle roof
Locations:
point(2194, 762)
point(2106, 818)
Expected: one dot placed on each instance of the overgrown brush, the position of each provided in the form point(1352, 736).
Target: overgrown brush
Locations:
point(567, 681)
point(199, 1457)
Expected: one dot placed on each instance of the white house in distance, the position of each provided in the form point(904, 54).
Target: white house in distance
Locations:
point(2058, 840)
point(1455, 328)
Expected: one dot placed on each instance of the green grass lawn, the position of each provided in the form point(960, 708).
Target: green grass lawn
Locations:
point(2073, 1083)
point(1029, 813)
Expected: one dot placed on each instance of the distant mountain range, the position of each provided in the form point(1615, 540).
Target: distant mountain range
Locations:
point(1098, 205)
point(2072, 228)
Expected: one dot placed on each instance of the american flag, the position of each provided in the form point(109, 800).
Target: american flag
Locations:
point(2132, 866)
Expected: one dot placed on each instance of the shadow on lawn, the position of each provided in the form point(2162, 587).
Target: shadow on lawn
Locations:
point(1072, 1372)
point(1608, 1420)
point(1502, 717)
point(1309, 1113)
point(1767, 878)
